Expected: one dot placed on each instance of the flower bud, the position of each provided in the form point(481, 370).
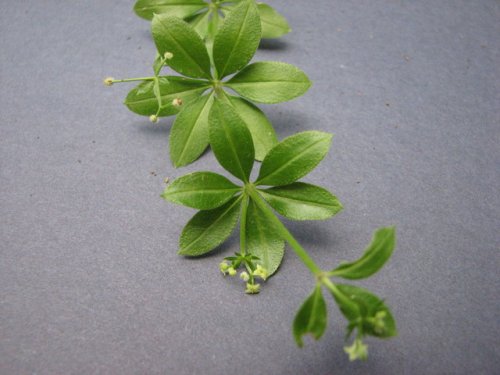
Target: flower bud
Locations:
point(244, 276)
point(153, 119)
point(168, 55)
point(177, 102)
point(223, 266)
point(108, 81)
point(231, 271)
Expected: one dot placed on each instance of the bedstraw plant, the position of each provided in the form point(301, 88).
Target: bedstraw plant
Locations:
point(212, 54)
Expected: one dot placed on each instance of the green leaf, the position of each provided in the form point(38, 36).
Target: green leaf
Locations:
point(372, 316)
point(201, 190)
point(301, 201)
point(190, 56)
point(142, 99)
point(199, 22)
point(376, 255)
point(208, 229)
point(273, 24)
point(237, 39)
point(231, 140)
point(262, 239)
point(270, 82)
point(263, 135)
point(177, 8)
point(311, 317)
point(189, 133)
point(293, 158)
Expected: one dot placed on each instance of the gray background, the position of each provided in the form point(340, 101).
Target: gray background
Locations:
point(89, 277)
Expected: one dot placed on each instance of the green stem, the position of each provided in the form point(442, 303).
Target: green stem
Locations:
point(337, 293)
point(134, 79)
point(283, 231)
point(243, 225)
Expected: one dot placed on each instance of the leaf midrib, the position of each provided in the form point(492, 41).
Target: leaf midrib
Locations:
point(167, 95)
point(235, 44)
point(290, 161)
point(312, 203)
point(191, 131)
point(202, 234)
point(205, 74)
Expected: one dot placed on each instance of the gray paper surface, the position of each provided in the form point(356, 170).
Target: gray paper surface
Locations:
point(90, 282)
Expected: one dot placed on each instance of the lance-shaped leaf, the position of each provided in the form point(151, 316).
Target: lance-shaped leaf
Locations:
point(375, 256)
point(263, 134)
point(372, 317)
point(301, 201)
point(142, 99)
point(311, 317)
point(189, 133)
point(208, 229)
point(293, 158)
point(177, 8)
point(190, 56)
point(270, 82)
point(262, 239)
point(273, 24)
point(237, 39)
point(231, 140)
point(201, 190)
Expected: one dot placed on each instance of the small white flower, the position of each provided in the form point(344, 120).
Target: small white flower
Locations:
point(357, 350)
point(168, 55)
point(252, 288)
point(231, 271)
point(223, 266)
point(260, 272)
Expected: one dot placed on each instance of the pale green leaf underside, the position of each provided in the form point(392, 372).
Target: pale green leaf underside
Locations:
point(293, 158)
point(237, 39)
point(201, 190)
point(270, 82)
point(208, 229)
point(263, 134)
point(230, 140)
point(301, 201)
point(176, 8)
point(142, 99)
point(189, 133)
point(311, 317)
point(262, 239)
point(274, 25)
point(190, 56)
point(375, 256)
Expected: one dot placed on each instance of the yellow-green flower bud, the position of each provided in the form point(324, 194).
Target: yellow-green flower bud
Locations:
point(223, 266)
point(153, 119)
point(231, 271)
point(108, 81)
point(168, 55)
point(244, 276)
point(177, 102)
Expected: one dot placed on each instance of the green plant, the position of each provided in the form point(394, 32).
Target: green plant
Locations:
point(182, 49)
point(239, 133)
point(262, 235)
point(205, 16)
